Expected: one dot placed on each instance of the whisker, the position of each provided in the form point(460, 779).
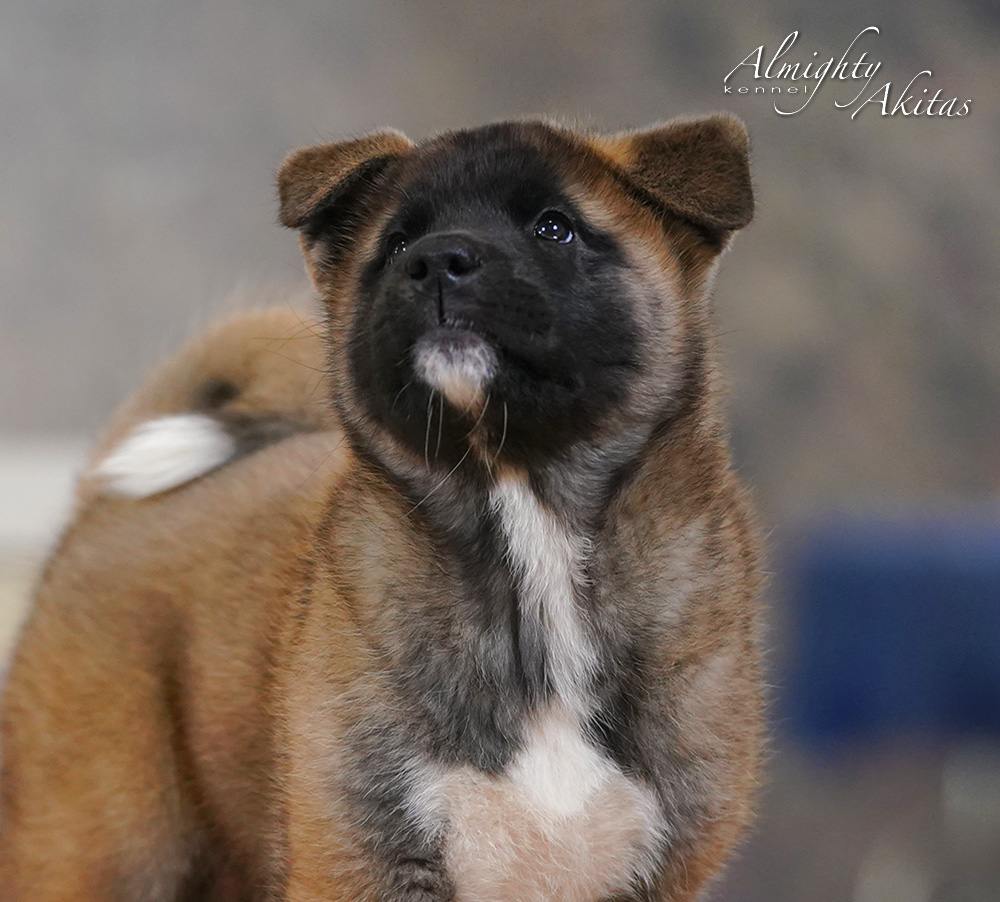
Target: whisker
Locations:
point(448, 476)
point(503, 437)
point(325, 458)
point(315, 369)
point(437, 448)
point(399, 394)
point(309, 326)
point(427, 433)
point(479, 419)
point(318, 380)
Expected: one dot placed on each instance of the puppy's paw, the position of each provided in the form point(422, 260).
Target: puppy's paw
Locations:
point(419, 880)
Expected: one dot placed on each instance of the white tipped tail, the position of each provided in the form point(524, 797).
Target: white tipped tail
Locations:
point(165, 453)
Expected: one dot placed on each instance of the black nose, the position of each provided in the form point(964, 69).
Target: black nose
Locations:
point(449, 256)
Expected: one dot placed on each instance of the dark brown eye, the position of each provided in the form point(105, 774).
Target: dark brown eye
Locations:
point(553, 226)
point(395, 245)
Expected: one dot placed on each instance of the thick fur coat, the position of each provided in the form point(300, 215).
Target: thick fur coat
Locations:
point(451, 595)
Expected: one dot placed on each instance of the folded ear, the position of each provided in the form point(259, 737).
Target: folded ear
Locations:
point(697, 169)
point(315, 181)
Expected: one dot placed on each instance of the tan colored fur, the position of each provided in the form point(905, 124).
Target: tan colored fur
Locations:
point(152, 607)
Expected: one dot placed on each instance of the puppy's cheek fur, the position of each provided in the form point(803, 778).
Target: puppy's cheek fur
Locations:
point(666, 316)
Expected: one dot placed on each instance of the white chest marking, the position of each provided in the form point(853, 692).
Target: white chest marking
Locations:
point(563, 824)
point(548, 560)
point(557, 770)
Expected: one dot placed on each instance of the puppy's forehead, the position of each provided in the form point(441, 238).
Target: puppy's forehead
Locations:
point(519, 168)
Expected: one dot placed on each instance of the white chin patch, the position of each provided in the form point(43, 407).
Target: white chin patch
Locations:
point(164, 453)
point(461, 367)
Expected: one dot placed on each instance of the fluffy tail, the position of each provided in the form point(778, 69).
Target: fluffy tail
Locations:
point(253, 380)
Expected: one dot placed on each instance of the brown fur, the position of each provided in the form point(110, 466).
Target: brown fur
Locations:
point(176, 714)
point(158, 612)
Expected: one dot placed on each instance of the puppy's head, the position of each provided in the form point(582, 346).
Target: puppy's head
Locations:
point(517, 290)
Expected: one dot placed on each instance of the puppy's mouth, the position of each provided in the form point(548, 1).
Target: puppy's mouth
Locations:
point(456, 360)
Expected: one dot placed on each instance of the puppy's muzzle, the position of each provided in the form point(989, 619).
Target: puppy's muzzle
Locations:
point(468, 283)
point(444, 267)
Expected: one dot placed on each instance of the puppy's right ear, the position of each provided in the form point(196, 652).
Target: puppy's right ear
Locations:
point(320, 187)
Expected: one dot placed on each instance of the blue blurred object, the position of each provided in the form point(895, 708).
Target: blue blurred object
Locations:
point(895, 627)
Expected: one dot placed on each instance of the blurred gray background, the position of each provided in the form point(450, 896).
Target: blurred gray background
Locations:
point(859, 312)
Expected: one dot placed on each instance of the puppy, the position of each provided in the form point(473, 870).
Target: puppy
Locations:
point(457, 602)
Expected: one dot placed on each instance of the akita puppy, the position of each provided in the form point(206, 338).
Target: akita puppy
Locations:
point(451, 596)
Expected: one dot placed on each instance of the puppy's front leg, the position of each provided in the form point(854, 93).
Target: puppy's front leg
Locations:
point(350, 826)
point(378, 779)
point(351, 840)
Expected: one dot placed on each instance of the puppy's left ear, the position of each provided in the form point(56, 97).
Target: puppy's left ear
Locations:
point(697, 169)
